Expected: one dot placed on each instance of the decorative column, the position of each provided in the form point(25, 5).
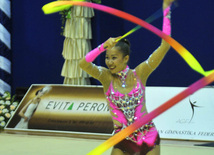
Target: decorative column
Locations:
point(5, 46)
point(77, 44)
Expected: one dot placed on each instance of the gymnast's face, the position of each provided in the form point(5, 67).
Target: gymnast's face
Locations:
point(115, 60)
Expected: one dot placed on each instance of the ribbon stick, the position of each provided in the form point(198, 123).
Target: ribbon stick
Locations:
point(184, 53)
point(130, 32)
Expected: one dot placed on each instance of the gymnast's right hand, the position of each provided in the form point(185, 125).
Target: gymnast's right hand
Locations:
point(110, 43)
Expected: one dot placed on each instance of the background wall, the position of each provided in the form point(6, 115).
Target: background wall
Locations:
point(37, 43)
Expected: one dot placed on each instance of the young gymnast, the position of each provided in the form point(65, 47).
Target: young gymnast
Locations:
point(124, 89)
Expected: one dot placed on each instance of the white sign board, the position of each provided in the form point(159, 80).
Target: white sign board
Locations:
point(191, 119)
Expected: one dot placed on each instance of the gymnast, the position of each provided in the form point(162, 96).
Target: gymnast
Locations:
point(124, 89)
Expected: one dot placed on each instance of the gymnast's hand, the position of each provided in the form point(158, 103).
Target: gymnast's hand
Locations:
point(111, 42)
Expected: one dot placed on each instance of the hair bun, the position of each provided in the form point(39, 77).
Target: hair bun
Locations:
point(124, 46)
point(126, 41)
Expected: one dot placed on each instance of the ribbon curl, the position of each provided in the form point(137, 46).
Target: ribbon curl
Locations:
point(184, 53)
point(52, 8)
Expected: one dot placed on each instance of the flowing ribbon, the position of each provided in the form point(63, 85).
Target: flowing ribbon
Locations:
point(154, 16)
point(51, 8)
point(48, 9)
point(150, 116)
point(185, 54)
point(148, 20)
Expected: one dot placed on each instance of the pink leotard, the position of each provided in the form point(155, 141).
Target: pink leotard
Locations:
point(127, 109)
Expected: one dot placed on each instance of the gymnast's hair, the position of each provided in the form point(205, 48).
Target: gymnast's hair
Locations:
point(124, 46)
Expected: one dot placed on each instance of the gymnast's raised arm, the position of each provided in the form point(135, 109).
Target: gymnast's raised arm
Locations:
point(147, 67)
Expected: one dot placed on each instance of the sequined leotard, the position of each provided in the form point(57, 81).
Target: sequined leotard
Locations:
point(127, 108)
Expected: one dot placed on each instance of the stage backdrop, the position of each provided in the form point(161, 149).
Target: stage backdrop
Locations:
point(83, 110)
